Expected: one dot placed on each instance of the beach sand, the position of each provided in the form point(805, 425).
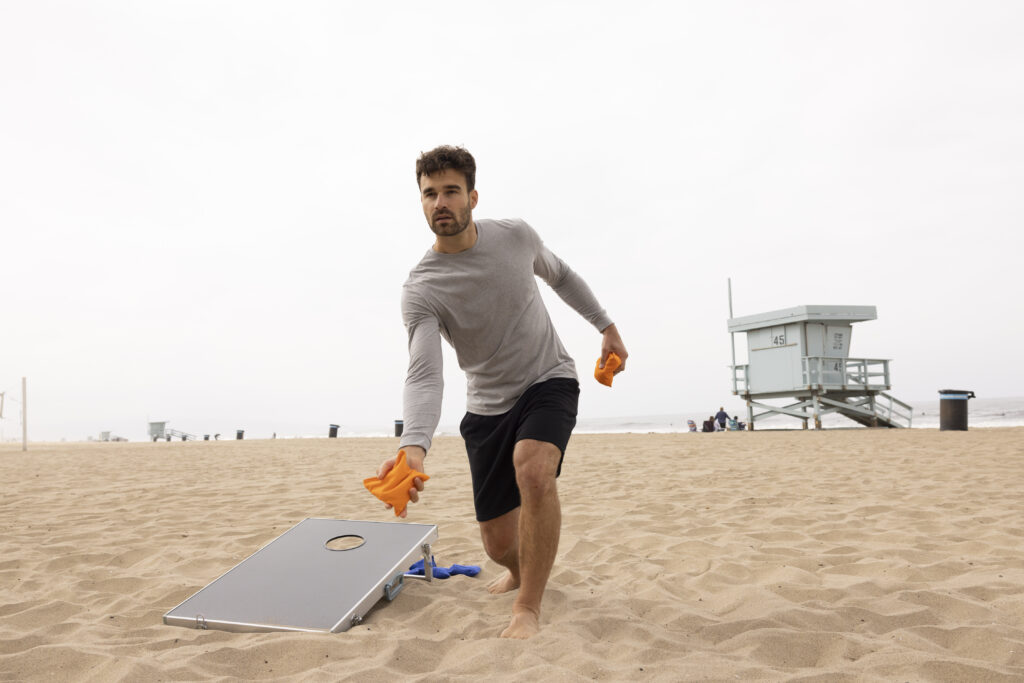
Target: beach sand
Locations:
point(844, 555)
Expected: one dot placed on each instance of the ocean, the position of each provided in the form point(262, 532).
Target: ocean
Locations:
point(981, 413)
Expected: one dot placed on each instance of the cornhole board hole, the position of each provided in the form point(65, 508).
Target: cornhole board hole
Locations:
point(301, 582)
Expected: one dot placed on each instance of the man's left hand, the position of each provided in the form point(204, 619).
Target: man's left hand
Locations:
point(611, 342)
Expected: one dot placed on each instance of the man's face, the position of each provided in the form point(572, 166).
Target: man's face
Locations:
point(446, 203)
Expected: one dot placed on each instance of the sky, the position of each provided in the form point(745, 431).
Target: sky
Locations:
point(207, 209)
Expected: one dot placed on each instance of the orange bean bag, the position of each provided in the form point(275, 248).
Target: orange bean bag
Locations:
point(394, 487)
point(611, 364)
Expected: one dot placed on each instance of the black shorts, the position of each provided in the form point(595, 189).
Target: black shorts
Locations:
point(545, 412)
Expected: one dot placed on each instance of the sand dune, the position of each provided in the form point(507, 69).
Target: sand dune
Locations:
point(840, 555)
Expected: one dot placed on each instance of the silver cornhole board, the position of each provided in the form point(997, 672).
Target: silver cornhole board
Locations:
point(297, 583)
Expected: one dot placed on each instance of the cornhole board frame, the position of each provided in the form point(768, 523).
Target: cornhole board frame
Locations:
point(297, 583)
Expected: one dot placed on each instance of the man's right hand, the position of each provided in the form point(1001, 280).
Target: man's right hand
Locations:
point(414, 456)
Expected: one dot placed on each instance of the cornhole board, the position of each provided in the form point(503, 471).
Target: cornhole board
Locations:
point(297, 583)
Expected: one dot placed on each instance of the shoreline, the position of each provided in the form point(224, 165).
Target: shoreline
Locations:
point(7, 445)
point(983, 413)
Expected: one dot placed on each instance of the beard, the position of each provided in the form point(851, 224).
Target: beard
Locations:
point(458, 221)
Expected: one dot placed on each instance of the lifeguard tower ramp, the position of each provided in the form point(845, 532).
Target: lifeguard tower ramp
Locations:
point(803, 354)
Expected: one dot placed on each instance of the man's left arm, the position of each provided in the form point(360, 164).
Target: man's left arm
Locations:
point(573, 290)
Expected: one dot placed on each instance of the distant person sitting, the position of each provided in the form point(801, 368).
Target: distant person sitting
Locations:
point(733, 424)
point(691, 425)
point(709, 424)
point(721, 416)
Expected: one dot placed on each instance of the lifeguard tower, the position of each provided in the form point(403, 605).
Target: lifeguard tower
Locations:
point(803, 353)
point(156, 430)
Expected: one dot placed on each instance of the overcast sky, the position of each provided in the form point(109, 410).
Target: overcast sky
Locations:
point(207, 209)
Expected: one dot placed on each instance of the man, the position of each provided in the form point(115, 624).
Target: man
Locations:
point(721, 416)
point(477, 288)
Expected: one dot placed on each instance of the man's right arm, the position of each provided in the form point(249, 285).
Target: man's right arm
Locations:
point(424, 382)
point(424, 385)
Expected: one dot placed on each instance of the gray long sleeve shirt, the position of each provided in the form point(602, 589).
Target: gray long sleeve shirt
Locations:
point(486, 303)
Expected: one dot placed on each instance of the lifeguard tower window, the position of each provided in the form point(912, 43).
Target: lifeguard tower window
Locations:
point(803, 353)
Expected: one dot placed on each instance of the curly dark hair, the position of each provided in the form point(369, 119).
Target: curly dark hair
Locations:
point(444, 158)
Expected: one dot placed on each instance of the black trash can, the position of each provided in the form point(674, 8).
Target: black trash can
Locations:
point(206, 437)
point(953, 409)
point(332, 433)
point(240, 434)
point(399, 427)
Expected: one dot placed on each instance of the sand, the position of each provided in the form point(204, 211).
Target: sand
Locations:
point(841, 555)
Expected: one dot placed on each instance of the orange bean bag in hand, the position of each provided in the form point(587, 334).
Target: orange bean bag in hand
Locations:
point(393, 489)
point(611, 364)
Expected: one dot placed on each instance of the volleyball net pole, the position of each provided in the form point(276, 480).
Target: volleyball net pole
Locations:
point(24, 412)
point(24, 415)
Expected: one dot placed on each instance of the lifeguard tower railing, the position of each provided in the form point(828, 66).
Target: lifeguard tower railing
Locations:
point(846, 373)
point(849, 379)
point(826, 373)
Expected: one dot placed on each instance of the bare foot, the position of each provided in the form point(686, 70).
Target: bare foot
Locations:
point(503, 584)
point(523, 625)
